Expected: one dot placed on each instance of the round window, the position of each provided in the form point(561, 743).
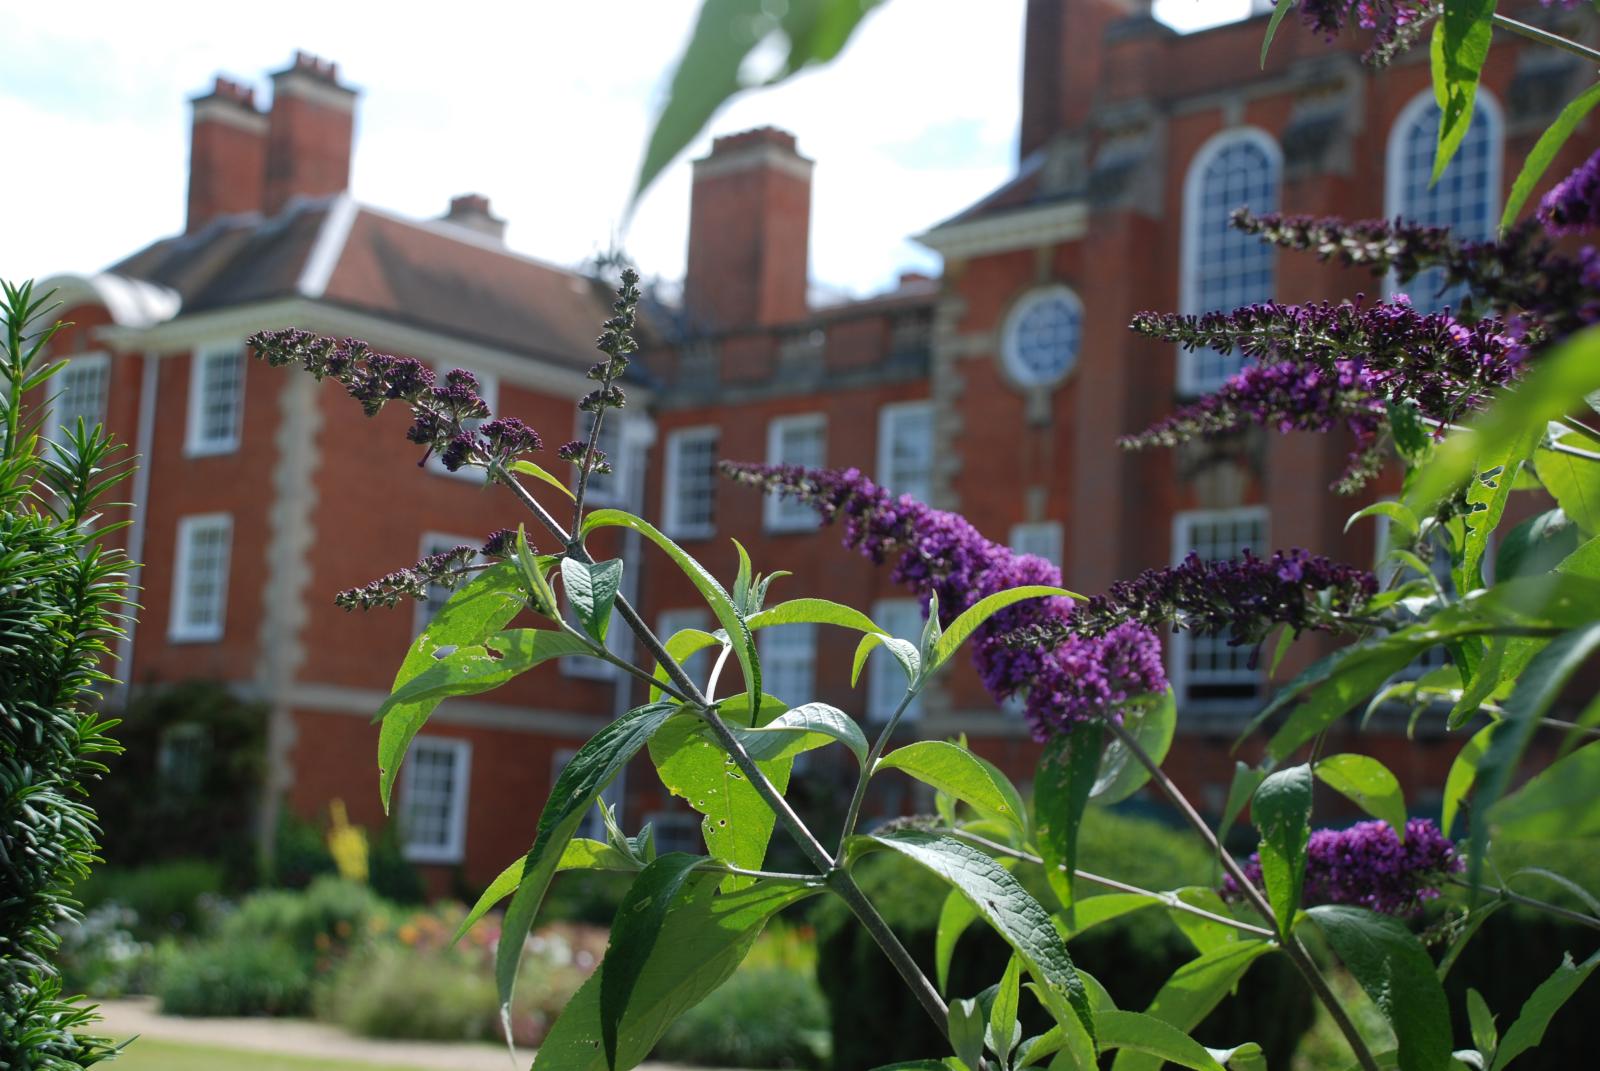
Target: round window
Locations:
point(1042, 335)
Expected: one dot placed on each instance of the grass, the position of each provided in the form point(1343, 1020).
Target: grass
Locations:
point(148, 1054)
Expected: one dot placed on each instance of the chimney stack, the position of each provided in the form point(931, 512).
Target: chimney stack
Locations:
point(227, 154)
point(749, 229)
point(471, 210)
point(309, 133)
point(1063, 49)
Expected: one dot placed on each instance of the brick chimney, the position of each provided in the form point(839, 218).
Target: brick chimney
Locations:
point(1062, 54)
point(471, 210)
point(227, 154)
point(749, 229)
point(309, 133)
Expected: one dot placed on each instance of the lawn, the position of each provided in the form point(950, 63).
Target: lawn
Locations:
point(148, 1054)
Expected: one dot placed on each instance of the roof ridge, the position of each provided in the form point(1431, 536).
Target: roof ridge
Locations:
point(465, 236)
point(320, 263)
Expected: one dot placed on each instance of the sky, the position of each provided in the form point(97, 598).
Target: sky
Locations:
point(544, 107)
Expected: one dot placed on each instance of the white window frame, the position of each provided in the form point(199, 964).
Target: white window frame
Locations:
point(1011, 359)
point(199, 365)
point(886, 681)
point(672, 492)
point(433, 543)
point(768, 642)
point(677, 618)
point(179, 630)
point(785, 515)
point(892, 420)
point(489, 391)
point(1178, 650)
point(1394, 170)
point(1189, 381)
point(454, 849)
point(101, 363)
point(1044, 539)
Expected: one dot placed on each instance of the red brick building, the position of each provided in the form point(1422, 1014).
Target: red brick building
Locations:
point(997, 390)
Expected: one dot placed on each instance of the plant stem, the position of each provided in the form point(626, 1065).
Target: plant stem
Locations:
point(1291, 945)
point(853, 814)
point(837, 878)
point(1167, 899)
point(1528, 901)
point(1545, 37)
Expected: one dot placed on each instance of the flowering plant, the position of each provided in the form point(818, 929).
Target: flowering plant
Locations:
point(1516, 362)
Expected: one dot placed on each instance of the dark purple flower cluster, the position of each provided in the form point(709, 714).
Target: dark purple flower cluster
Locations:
point(443, 569)
point(1573, 205)
point(502, 543)
point(1368, 866)
point(1289, 397)
point(1396, 24)
point(573, 451)
point(1076, 678)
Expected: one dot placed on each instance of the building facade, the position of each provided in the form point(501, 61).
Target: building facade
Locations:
point(998, 390)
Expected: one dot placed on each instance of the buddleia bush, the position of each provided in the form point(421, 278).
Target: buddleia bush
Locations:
point(61, 590)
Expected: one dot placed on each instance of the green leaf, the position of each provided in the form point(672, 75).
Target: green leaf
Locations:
point(738, 823)
point(1003, 903)
point(638, 923)
point(904, 651)
point(1151, 721)
point(1486, 499)
point(1191, 993)
point(1004, 1031)
point(973, 617)
point(1146, 1034)
point(1281, 809)
point(680, 645)
point(1397, 513)
point(716, 597)
point(1463, 774)
point(1061, 784)
point(1537, 545)
point(1474, 920)
point(813, 612)
point(476, 611)
point(1559, 380)
point(1368, 784)
point(1246, 779)
point(952, 768)
point(465, 671)
point(592, 590)
point(528, 468)
point(708, 74)
point(1088, 912)
point(1574, 482)
point(1481, 1021)
point(955, 916)
point(932, 629)
point(1545, 150)
point(1278, 12)
point(1459, 47)
point(1556, 804)
point(702, 941)
point(1537, 1010)
point(1393, 967)
point(964, 1024)
point(803, 728)
point(594, 767)
point(534, 569)
point(1205, 935)
point(579, 854)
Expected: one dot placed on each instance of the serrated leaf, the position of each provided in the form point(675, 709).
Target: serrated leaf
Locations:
point(528, 468)
point(1367, 783)
point(1152, 727)
point(973, 617)
point(1191, 993)
point(1148, 1035)
point(701, 943)
point(592, 590)
point(1003, 903)
point(1066, 773)
point(1463, 774)
point(477, 610)
point(1541, 1006)
point(465, 671)
point(1281, 809)
point(1396, 972)
point(803, 728)
point(582, 780)
point(579, 854)
point(716, 597)
point(1544, 151)
point(954, 769)
point(638, 923)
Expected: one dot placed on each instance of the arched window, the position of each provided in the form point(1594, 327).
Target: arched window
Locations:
point(1224, 268)
point(1467, 196)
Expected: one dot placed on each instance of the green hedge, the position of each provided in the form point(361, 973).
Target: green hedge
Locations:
point(769, 1017)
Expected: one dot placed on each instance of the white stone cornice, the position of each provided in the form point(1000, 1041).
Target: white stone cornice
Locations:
point(1023, 228)
point(230, 113)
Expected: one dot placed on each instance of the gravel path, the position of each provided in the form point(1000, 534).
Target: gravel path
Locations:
point(299, 1037)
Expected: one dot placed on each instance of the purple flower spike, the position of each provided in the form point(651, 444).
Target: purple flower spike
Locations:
point(1573, 206)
